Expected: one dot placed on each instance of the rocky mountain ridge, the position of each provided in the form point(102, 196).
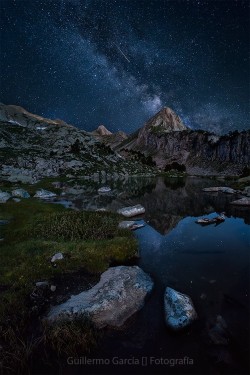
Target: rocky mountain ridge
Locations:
point(33, 147)
point(169, 142)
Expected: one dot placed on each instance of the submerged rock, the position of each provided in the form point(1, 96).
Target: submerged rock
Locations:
point(4, 196)
point(219, 334)
point(241, 202)
point(120, 293)
point(20, 193)
point(44, 194)
point(179, 309)
point(132, 211)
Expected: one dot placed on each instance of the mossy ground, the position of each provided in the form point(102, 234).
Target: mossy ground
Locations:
point(90, 242)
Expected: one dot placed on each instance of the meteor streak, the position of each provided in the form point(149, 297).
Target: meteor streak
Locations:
point(123, 54)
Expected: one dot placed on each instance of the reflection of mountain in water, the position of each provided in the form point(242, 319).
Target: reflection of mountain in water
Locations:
point(166, 201)
point(166, 206)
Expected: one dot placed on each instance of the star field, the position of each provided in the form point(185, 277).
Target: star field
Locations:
point(118, 62)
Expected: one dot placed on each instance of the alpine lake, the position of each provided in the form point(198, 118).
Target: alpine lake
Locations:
point(208, 263)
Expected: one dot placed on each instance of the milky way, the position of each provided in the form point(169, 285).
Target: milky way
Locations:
point(116, 63)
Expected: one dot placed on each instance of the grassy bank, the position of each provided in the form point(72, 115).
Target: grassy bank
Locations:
point(89, 241)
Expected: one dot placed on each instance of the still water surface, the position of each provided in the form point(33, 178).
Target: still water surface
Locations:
point(210, 264)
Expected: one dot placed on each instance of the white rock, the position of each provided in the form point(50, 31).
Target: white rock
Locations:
point(57, 256)
point(104, 189)
point(179, 309)
point(41, 193)
point(4, 196)
point(53, 288)
point(131, 211)
point(120, 293)
point(20, 193)
point(17, 200)
point(126, 224)
point(241, 202)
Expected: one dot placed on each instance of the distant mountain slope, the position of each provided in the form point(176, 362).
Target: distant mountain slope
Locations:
point(32, 147)
point(167, 140)
point(101, 130)
point(104, 136)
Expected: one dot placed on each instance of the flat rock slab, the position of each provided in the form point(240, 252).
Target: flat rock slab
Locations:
point(132, 211)
point(119, 294)
point(241, 202)
point(179, 309)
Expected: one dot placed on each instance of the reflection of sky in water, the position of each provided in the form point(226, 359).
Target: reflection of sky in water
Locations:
point(193, 252)
point(210, 264)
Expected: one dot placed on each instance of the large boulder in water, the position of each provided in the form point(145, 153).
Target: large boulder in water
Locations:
point(120, 293)
point(179, 309)
point(132, 211)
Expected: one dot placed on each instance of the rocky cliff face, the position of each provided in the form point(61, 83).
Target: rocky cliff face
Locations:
point(32, 147)
point(168, 141)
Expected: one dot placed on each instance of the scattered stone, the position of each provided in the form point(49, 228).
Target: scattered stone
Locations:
point(4, 196)
point(44, 194)
point(241, 202)
point(20, 193)
point(53, 288)
point(130, 225)
point(246, 191)
point(42, 284)
point(126, 224)
point(104, 189)
point(223, 189)
point(119, 294)
point(132, 211)
point(203, 296)
point(179, 309)
point(4, 222)
point(57, 256)
point(17, 200)
point(101, 210)
point(57, 184)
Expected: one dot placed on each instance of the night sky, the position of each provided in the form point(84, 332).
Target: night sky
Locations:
point(92, 62)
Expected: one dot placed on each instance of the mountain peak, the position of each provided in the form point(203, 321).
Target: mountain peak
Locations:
point(102, 130)
point(165, 120)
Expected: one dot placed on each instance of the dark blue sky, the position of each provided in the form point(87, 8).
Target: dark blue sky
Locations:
point(118, 62)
